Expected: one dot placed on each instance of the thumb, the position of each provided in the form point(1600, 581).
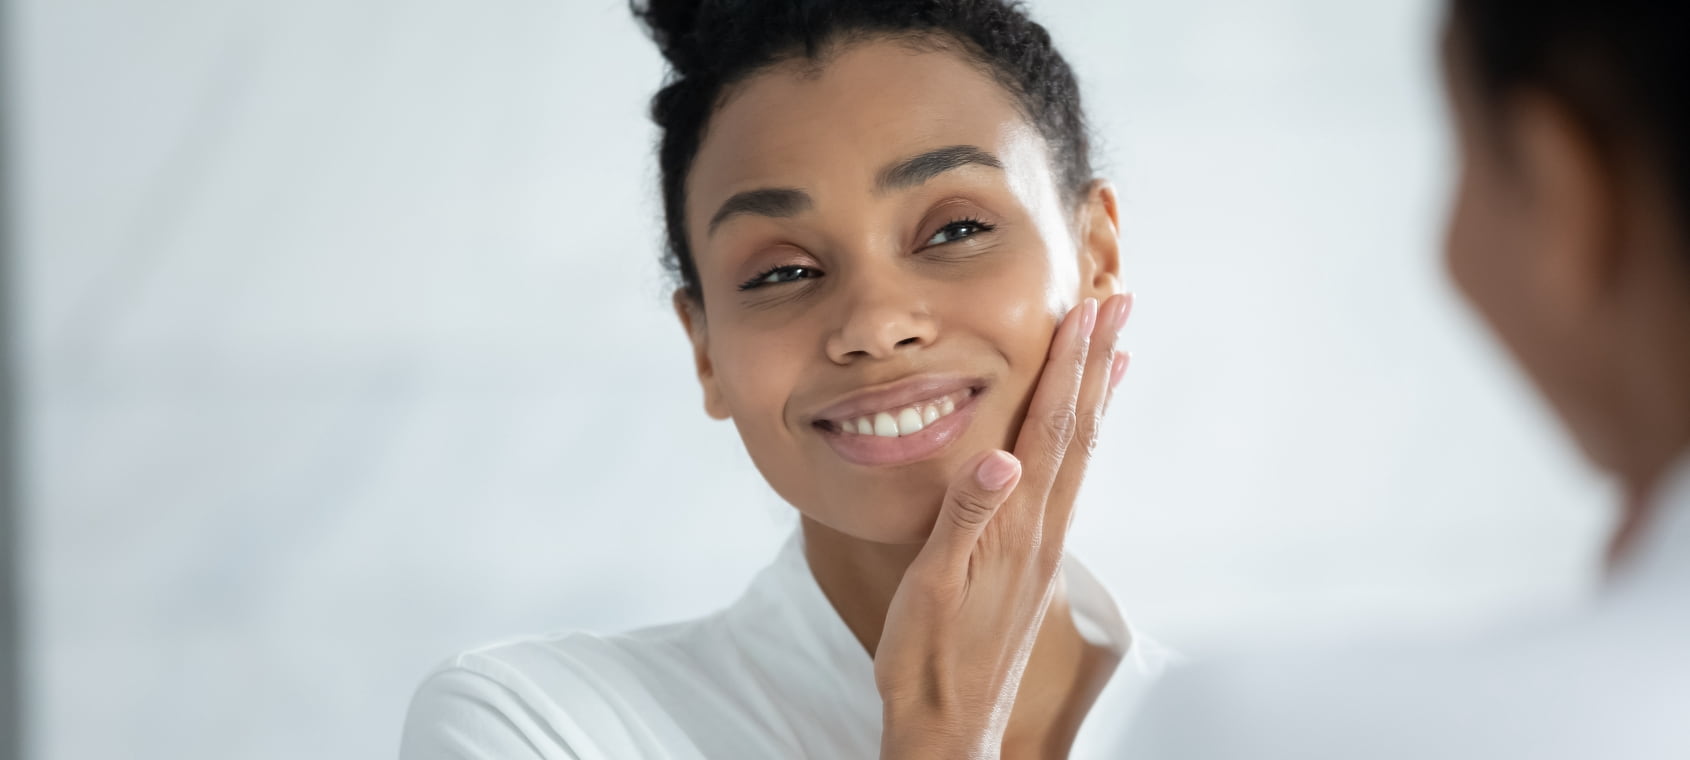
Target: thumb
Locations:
point(979, 488)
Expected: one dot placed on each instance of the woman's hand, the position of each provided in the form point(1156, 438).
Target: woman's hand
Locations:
point(964, 618)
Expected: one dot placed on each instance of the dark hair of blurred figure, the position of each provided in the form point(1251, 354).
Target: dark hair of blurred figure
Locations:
point(1622, 68)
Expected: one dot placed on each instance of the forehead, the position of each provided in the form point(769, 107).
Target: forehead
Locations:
point(832, 126)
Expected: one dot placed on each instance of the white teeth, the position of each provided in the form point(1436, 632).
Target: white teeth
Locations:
point(900, 422)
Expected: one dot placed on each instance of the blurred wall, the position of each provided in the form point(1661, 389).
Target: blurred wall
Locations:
point(346, 348)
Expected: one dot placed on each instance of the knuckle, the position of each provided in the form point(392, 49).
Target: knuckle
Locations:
point(1061, 424)
point(972, 510)
point(1090, 427)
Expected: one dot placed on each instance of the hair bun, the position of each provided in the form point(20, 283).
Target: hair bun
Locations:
point(673, 25)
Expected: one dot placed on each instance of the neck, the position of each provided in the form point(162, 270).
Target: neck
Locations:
point(859, 577)
point(1063, 676)
point(1648, 426)
point(1641, 497)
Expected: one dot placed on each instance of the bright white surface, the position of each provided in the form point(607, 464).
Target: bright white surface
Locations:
point(348, 350)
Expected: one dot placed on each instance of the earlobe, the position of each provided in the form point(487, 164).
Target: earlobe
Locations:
point(1100, 241)
point(691, 314)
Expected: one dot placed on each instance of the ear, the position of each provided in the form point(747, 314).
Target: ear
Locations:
point(691, 313)
point(1581, 243)
point(1099, 241)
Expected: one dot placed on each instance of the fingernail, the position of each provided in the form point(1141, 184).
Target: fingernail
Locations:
point(996, 472)
point(1118, 370)
point(1088, 316)
point(1118, 312)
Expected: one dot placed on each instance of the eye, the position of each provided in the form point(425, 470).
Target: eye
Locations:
point(960, 229)
point(779, 275)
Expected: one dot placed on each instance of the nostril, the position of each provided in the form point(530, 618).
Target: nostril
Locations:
point(907, 341)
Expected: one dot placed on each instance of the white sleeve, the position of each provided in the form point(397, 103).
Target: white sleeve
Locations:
point(459, 714)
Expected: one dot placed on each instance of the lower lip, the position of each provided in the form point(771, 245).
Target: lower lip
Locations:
point(878, 451)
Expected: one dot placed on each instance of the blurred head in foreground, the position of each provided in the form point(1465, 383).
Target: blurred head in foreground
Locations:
point(1568, 232)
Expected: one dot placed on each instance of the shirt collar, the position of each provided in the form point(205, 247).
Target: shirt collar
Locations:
point(801, 654)
point(800, 647)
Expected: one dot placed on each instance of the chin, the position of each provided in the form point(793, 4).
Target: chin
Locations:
point(893, 522)
point(892, 507)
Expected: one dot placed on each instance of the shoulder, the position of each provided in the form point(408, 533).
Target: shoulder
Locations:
point(561, 696)
point(1559, 688)
point(462, 712)
point(1310, 704)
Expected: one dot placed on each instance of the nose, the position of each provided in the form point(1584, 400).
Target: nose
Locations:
point(878, 320)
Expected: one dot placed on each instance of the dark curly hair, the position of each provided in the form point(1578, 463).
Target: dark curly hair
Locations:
point(1622, 67)
point(713, 44)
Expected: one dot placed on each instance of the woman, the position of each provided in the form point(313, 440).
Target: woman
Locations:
point(899, 279)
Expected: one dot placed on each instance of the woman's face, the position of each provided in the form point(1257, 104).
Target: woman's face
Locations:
point(883, 256)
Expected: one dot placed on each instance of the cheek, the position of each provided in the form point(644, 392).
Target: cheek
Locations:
point(1490, 257)
point(1013, 308)
point(1479, 243)
point(1014, 313)
point(1023, 333)
point(1460, 239)
point(756, 374)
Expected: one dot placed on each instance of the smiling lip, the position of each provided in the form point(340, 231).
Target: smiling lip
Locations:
point(879, 451)
point(905, 393)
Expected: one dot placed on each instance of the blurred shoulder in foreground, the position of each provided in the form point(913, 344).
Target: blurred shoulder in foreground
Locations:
point(1609, 680)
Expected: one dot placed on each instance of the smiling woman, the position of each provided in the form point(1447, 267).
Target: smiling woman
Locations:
point(879, 214)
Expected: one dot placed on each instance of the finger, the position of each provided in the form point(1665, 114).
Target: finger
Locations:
point(1088, 416)
point(978, 490)
point(1049, 424)
point(1117, 373)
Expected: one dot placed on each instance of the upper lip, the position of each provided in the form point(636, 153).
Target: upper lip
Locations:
point(896, 395)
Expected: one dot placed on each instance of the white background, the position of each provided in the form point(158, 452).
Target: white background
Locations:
point(347, 349)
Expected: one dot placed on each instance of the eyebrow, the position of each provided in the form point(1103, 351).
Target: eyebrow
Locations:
point(787, 201)
point(915, 170)
point(767, 201)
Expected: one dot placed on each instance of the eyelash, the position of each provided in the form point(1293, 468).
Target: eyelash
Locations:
point(757, 282)
point(980, 226)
